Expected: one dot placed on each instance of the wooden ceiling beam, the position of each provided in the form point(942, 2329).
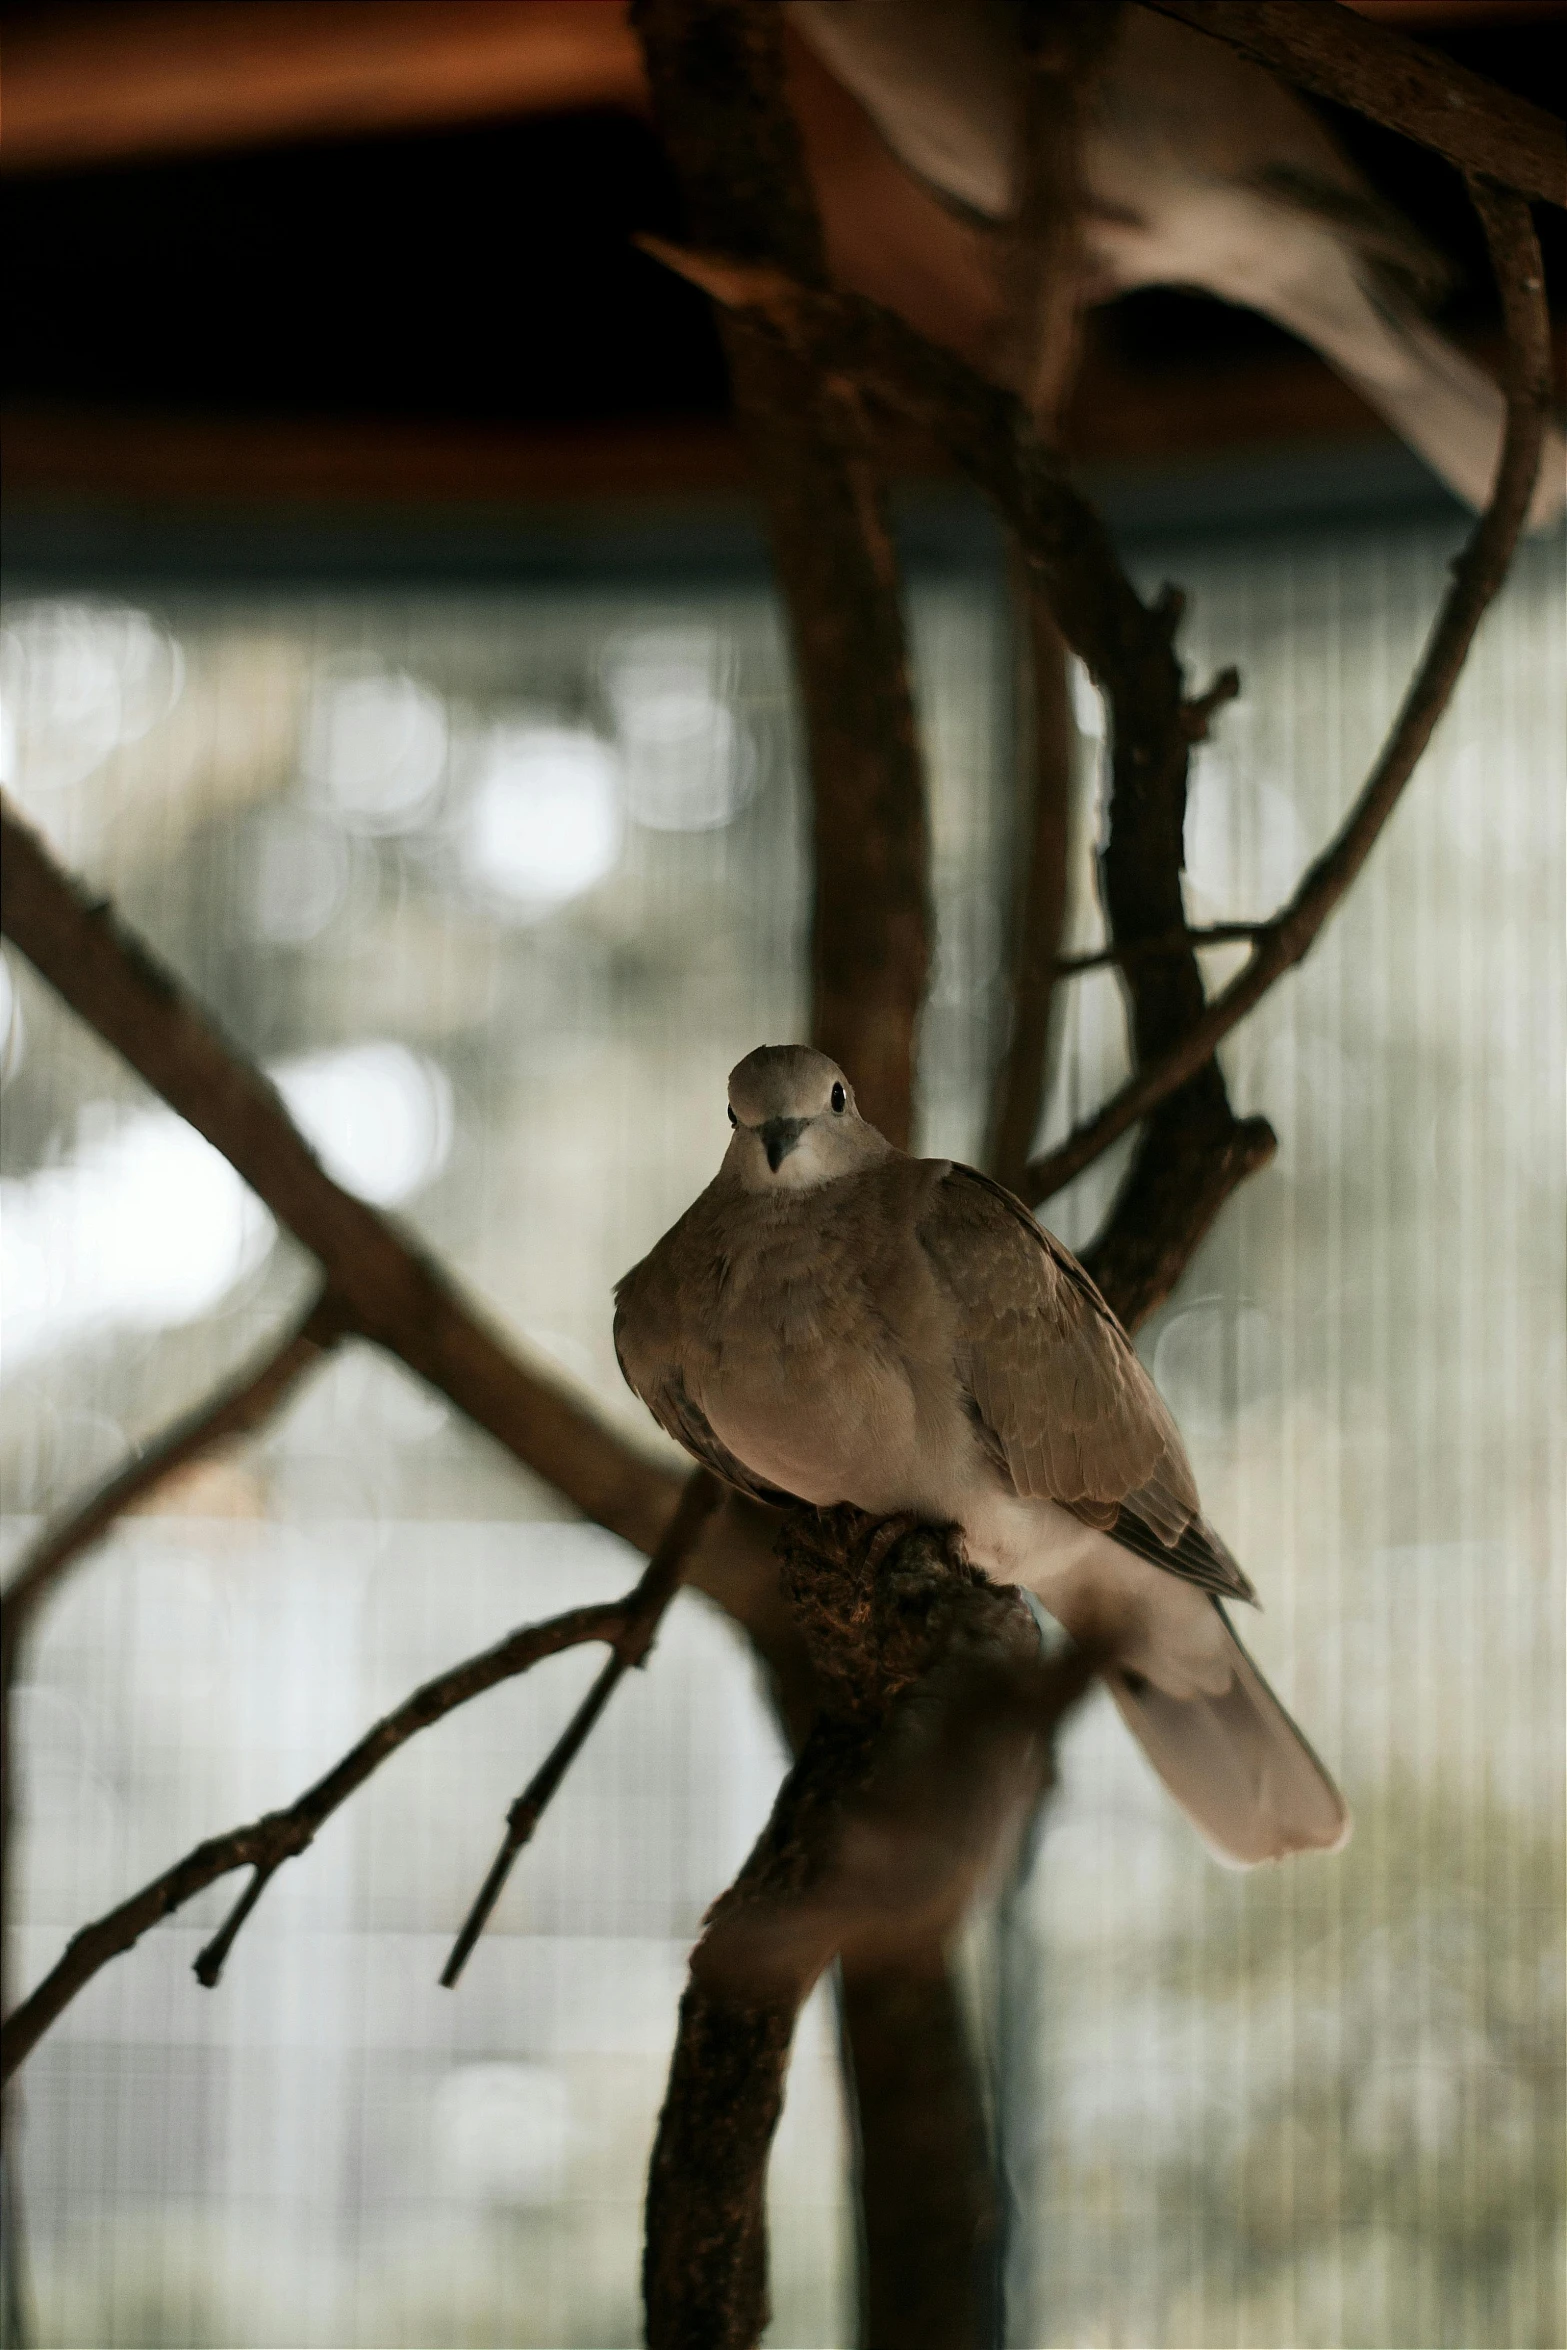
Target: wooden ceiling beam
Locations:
point(91, 82)
point(95, 84)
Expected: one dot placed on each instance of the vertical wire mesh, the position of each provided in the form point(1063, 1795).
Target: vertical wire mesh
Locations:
point(1321, 2103)
point(1318, 2104)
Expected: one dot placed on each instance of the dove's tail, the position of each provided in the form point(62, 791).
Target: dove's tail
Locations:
point(1434, 397)
point(1236, 1764)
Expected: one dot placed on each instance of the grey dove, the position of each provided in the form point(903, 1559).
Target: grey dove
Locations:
point(1199, 169)
point(835, 1321)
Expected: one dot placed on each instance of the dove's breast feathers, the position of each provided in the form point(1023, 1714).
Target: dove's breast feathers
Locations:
point(795, 1324)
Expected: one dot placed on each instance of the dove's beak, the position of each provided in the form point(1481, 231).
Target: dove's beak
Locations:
point(779, 1136)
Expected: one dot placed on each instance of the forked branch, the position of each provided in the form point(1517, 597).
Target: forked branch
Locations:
point(644, 1612)
point(265, 1844)
point(1478, 573)
point(1107, 625)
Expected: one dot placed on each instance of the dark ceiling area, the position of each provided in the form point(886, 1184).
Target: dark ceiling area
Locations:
point(486, 272)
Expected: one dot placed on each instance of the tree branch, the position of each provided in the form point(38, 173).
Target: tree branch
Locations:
point(934, 1739)
point(1061, 47)
point(394, 1293)
point(1129, 649)
point(1395, 81)
point(1043, 276)
point(718, 98)
point(1049, 758)
point(1114, 633)
point(720, 104)
point(644, 1611)
point(1139, 950)
point(1478, 573)
point(236, 1410)
point(280, 1835)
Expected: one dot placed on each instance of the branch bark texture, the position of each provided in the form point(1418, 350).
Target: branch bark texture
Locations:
point(716, 72)
point(1192, 1151)
point(1478, 573)
point(266, 1843)
point(393, 1293)
point(1397, 82)
point(1047, 735)
point(1194, 1155)
point(933, 1742)
point(715, 69)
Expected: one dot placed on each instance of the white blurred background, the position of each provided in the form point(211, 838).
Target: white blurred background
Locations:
point(498, 885)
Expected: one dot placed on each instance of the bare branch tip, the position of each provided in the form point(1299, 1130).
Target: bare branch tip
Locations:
point(1196, 713)
point(733, 283)
point(208, 1965)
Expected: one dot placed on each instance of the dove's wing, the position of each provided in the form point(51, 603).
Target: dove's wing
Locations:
point(682, 1417)
point(653, 1304)
point(1055, 1386)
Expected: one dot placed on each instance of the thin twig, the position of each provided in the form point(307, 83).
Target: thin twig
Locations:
point(1398, 82)
point(643, 1613)
point(1138, 950)
point(1048, 739)
point(989, 436)
point(235, 1410)
point(1478, 573)
point(278, 1836)
point(1128, 648)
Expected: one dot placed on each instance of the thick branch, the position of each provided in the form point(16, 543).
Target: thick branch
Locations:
point(1062, 46)
point(934, 1738)
point(718, 96)
point(1478, 573)
point(278, 1836)
point(1397, 82)
point(1044, 263)
point(394, 1294)
point(1127, 646)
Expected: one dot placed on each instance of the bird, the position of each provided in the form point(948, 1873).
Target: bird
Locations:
point(1200, 169)
point(833, 1321)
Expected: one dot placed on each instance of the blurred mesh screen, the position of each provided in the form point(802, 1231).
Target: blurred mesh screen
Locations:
point(499, 884)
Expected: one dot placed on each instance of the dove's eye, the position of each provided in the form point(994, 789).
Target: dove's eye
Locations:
point(733, 1120)
point(839, 1099)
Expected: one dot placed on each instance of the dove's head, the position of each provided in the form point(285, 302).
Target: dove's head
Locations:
point(795, 1122)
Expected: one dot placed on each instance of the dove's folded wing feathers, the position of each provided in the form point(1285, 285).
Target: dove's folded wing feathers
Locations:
point(1057, 1388)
